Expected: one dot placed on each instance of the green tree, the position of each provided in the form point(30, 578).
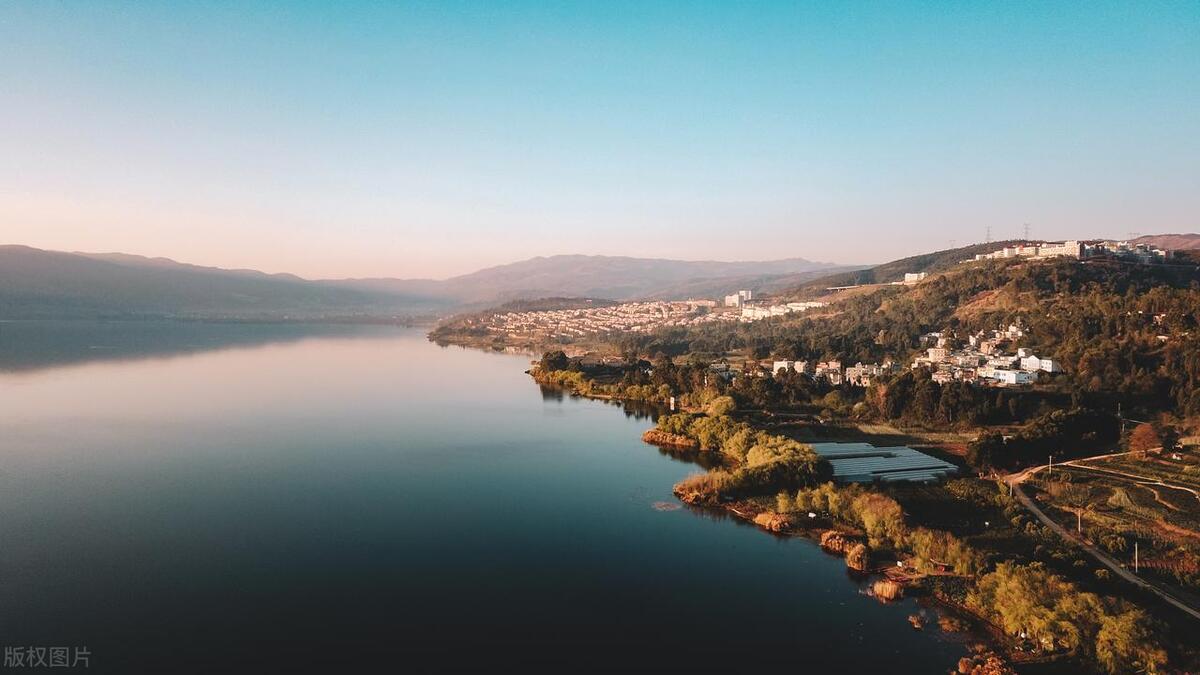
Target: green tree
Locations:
point(722, 405)
point(1124, 644)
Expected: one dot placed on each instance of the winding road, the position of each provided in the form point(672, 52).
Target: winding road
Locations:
point(1014, 481)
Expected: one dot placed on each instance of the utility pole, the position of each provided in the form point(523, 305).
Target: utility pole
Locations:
point(1135, 556)
point(1050, 468)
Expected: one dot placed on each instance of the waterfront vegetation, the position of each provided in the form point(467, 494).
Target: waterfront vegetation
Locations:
point(759, 462)
point(1053, 613)
point(1041, 611)
point(1124, 334)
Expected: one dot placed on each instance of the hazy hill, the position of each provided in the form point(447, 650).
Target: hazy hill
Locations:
point(1171, 242)
point(895, 270)
point(37, 283)
point(608, 277)
point(768, 284)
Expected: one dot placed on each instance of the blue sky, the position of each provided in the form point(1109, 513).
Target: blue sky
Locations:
point(429, 139)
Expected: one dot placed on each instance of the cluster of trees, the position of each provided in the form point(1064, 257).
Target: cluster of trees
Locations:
point(881, 518)
point(1152, 436)
point(1104, 324)
point(914, 398)
point(869, 327)
point(691, 383)
point(762, 463)
point(1020, 599)
point(1051, 611)
point(1059, 432)
point(1122, 332)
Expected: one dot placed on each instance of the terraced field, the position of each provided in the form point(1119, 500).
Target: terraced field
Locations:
point(1151, 502)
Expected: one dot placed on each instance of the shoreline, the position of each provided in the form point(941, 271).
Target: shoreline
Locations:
point(980, 630)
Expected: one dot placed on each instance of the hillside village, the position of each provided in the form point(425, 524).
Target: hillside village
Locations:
point(977, 360)
point(986, 359)
point(1119, 250)
point(981, 361)
point(631, 317)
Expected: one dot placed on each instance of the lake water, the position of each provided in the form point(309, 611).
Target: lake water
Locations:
point(225, 498)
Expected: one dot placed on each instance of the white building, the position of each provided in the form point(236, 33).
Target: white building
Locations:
point(942, 376)
point(1012, 377)
point(805, 306)
point(831, 370)
point(914, 277)
point(783, 365)
point(1044, 249)
point(735, 300)
point(1051, 366)
point(1033, 364)
point(861, 375)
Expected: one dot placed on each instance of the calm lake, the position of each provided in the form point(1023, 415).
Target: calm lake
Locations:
point(238, 498)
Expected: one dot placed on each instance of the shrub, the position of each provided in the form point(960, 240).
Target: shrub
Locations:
point(887, 590)
point(858, 557)
point(722, 405)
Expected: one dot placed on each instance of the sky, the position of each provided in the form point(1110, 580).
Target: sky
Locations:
point(428, 139)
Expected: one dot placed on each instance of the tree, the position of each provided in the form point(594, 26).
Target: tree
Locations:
point(1078, 499)
point(552, 361)
point(987, 451)
point(858, 557)
point(1145, 437)
point(1124, 644)
point(1169, 436)
point(722, 405)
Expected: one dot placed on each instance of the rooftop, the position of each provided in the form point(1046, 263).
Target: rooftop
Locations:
point(865, 463)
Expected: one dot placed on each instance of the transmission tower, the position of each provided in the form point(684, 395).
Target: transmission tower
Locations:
point(987, 239)
point(1026, 230)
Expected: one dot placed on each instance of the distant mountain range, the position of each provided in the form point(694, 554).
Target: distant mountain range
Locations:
point(594, 276)
point(39, 283)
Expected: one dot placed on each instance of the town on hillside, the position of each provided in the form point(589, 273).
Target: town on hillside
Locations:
point(632, 317)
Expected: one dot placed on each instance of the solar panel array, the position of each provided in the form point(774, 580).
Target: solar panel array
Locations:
point(865, 463)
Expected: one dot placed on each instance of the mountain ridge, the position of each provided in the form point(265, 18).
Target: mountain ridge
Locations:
point(41, 283)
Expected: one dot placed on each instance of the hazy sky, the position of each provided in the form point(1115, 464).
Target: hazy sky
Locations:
point(429, 139)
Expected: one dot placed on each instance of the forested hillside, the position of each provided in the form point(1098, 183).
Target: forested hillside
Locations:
point(1120, 331)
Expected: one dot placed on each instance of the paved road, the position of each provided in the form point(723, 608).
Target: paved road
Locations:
point(1108, 561)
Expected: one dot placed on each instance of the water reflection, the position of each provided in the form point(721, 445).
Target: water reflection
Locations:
point(35, 345)
point(636, 410)
point(315, 501)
